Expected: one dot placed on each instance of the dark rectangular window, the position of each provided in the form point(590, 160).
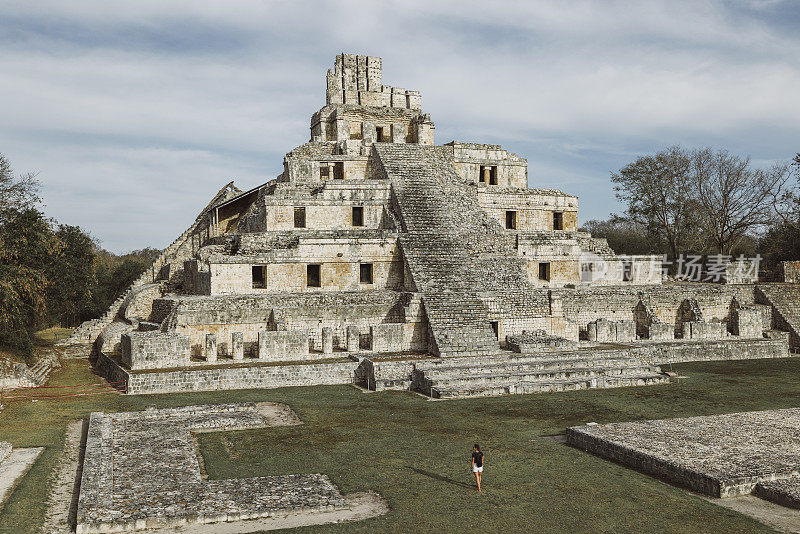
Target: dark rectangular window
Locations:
point(365, 273)
point(299, 217)
point(511, 220)
point(558, 220)
point(483, 174)
point(313, 275)
point(379, 135)
point(324, 171)
point(493, 175)
point(544, 272)
point(338, 170)
point(496, 329)
point(358, 216)
point(627, 271)
point(259, 276)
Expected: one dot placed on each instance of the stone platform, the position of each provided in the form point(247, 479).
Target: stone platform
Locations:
point(14, 463)
point(784, 492)
point(594, 365)
point(717, 455)
point(141, 470)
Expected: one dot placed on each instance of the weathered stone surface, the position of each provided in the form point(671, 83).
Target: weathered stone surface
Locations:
point(791, 271)
point(718, 455)
point(141, 468)
point(785, 492)
point(538, 341)
point(151, 350)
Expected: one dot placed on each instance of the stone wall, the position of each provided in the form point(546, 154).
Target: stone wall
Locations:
point(791, 271)
point(728, 349)
point(615, 303)
point(196, 317)
point(15, 375)
point(358, 79)
point(139, 302)
point(245, 377)
point(153, 350)
point(605, 331)
point(534, 207)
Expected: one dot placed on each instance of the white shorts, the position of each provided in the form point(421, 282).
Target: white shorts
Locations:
point(476, 469)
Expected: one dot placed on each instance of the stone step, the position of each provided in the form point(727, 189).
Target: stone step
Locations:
point(445, 228)
point(392, 384)
point(514, 358)
point(546, 386)
point(539, 376)
point(528, 365)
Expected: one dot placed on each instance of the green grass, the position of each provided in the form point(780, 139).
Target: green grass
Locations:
point(48, 336)
point(415, 453)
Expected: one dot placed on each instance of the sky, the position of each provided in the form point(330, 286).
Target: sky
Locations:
point(134, 114)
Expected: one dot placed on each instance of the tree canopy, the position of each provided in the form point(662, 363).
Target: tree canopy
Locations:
point(51, 273)
point(704, 200)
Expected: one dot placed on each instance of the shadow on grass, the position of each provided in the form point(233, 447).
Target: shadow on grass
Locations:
point(440, 478)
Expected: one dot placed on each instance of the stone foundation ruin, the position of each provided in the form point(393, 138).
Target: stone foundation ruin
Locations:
point(374, 245)
point(717, 455)
point(141, 471)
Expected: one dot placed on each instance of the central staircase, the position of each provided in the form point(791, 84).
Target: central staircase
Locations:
point(456, 254)
point(447, 240)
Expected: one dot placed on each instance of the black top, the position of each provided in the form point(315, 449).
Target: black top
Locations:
point(477, 457)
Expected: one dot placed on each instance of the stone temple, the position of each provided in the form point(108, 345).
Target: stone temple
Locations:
point(379, 258)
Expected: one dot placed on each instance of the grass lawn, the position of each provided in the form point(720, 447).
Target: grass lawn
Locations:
point(415, 453)
point(50, 335)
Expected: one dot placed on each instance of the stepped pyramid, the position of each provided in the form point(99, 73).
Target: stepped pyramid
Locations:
point(378, 257)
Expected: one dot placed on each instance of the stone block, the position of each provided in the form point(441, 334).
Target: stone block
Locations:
point(605, 331)
point(353, 336)
point(791, 271)
point(210, 349)
point(705, 330)
point(662, 331)
point(327, 340)
point(387, 337)
point(237, 346)
point(751, 321)
point(152, 350)
point(282, 345)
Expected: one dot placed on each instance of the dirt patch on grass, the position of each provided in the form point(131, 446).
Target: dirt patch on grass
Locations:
point(62, 502)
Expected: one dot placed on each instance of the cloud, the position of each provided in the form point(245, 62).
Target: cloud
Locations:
point(136, 113)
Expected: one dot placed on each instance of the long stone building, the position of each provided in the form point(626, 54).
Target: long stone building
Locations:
point(380, 258)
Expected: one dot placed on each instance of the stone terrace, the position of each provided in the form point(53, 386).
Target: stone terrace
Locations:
point(784, 492)
point(718, 455)
point(141, 471)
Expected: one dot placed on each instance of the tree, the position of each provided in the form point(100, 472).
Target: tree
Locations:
point(787, 205)
point(780, 243)
point(731, 198)
point(27, 248)
point(656, 190)
point(72, 277)
point(17, 192)
point(624, 236)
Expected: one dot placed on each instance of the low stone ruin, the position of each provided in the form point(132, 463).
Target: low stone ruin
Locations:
point(717, 455)
point(141, 470)
point(538, 341)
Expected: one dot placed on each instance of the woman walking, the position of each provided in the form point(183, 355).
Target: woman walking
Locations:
point(477, 464)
